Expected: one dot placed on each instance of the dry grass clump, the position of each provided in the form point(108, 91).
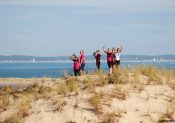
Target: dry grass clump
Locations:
point(70, 121)
point(173, 85)
point(71, 85)
point(53, 80)
point(19, 116)
point(62, 89)
point(154, 74)
point(102, 79)
point(112, 117)
point(4, 101)
point(140, 87)
point(119, 76)
point(59, 106)
point(36, 91)
point(45, 91)
point(169, 76)
point(89, 84)
point(7, 90)
point(120, 94)
point(168, 115)
point(96, 102)
point(5, 94)
point(23, 111)
point(32, 88)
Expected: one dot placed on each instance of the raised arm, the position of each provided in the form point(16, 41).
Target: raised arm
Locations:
point(121, 48)
point(73, 55)
point(104, 49)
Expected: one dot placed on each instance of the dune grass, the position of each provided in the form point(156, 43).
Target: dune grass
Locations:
point(112, 117)
point(71, 85)
point(96, 102)
point(155, 75)
point(60, 104)
point(89, 84)
point(120, 93)
point(119, 76)
point(4, 101)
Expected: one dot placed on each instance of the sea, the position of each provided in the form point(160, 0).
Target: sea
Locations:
point(58, 69)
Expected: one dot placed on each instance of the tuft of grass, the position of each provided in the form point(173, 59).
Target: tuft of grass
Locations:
point(60, 104)
point(168, 115)
point(4, 101)
point(120, 94)
point(150, 71)
point(32, 88)
point(62, 89)
point(102, 80)
point(172, 84)
point(96, 102)
point(71, 121)
point(53, 79)
point(23, 111)
point(7, 90)
point(112, 117)
point(72, 85)
point(45, 91)
point(119, 76)
point(141, 87)
point(89, 84)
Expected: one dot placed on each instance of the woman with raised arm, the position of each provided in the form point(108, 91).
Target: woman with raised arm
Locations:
point(118, 53)
point(97, 56)
point(82, 61)
point(76, 68)
point(109, 59)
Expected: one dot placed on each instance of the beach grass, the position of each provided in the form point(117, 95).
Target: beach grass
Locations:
point(96, 102)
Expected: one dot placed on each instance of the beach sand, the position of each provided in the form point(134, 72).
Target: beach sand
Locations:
point(93, 103)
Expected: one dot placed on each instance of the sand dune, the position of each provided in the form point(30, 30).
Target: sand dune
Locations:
point(88, 101)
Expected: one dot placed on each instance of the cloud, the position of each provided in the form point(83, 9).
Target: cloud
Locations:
point(103, 5)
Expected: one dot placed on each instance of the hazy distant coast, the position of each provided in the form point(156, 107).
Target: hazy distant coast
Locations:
point(89, 58)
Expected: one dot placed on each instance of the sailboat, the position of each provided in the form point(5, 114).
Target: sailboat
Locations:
point(33, 60)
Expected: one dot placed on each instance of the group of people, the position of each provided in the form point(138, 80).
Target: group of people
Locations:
point(113, 60)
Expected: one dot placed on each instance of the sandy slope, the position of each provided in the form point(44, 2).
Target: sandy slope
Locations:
point(146, 105)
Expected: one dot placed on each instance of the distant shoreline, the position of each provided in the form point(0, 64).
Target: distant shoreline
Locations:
point(90, 61)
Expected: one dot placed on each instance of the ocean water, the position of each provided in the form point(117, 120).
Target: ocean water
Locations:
point(32, 70)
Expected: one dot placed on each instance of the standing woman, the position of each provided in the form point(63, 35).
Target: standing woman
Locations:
point(82, 61)
point(97, 56)
point(75, 59)
point(118, 53)
point(109, 59)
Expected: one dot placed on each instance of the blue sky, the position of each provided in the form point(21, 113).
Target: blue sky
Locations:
point(61, 27)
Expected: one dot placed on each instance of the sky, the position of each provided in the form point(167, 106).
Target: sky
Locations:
point(63, 27)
